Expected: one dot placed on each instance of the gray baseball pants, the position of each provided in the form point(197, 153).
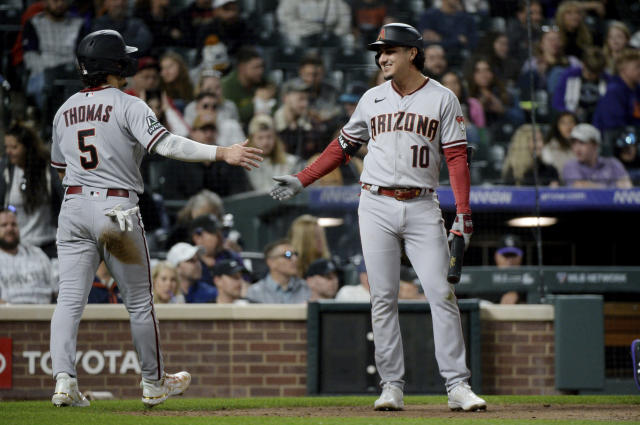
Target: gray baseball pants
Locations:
point(85, 236)
point(384, 223)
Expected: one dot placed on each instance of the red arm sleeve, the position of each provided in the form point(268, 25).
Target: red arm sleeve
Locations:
point(329, 160)
point(459, 175)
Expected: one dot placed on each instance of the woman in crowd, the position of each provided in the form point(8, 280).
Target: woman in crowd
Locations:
point(30, 184)
point(262, 134)
point(165, 284)
point(175, 80)
point(495, 46)
point(497, 103)
point(557, 148)
point(617, 39)
point(519, 164)
point(547, 64)
point(574, 32)
point(308, 238)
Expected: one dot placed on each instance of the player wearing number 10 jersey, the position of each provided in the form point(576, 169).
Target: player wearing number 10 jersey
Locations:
point(408, 123)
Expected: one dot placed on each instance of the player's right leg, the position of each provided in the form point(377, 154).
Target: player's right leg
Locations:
point(378, 217)
point(78, 260)
point(134, 281)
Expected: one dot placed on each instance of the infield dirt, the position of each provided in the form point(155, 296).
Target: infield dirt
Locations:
point(602, 412)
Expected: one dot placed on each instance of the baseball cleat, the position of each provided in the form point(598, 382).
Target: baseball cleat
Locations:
point(390, 399)
point(462, 398)
point(67, 393)
point(156, 392)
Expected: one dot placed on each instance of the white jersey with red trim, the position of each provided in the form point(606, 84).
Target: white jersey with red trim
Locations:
point(100, 136)
point(405, 133)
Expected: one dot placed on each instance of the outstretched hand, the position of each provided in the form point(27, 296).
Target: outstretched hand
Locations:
point(286, 187)
point(242, 155)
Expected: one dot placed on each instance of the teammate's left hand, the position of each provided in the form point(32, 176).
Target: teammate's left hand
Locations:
point(286, 187)
point(462, 226)
point(240, 154)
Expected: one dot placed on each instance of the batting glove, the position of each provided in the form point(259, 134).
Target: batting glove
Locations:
point(462, 226)
point(123, 216)
point(286, 187)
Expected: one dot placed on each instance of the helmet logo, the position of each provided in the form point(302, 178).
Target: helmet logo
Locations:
point(381, 35)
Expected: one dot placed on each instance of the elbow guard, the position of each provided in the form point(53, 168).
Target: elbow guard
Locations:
point(348, 147)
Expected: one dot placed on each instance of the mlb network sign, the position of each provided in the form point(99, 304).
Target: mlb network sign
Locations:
point(92, 362)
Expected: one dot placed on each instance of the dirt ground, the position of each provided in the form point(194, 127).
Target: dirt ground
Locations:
point(603, 412)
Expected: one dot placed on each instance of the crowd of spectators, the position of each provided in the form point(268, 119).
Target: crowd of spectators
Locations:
point(286, 75)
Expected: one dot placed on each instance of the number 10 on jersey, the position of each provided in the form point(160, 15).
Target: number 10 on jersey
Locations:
point(420, 156)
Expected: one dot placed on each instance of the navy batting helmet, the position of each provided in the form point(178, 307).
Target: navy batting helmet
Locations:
point(105, 52)
point(397, 35)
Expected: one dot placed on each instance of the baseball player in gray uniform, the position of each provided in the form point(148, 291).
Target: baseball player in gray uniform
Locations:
point(100, 135)
point(408, 123)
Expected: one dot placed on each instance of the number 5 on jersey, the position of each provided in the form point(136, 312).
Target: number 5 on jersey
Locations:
point(92, 161)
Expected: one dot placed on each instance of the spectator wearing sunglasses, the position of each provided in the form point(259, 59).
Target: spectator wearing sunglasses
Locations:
point(209, 81)
point(229, 129)
point(282, 284)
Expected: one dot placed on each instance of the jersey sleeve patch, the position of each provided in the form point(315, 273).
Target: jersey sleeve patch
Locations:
point(152, 124)
point(460, 121)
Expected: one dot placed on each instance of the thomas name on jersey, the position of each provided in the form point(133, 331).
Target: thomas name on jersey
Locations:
point(84, 113)
point(401, 121)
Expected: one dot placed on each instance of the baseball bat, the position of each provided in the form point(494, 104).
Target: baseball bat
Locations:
point(457, 244)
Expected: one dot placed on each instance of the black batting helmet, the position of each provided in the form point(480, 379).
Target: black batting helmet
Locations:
point(397, 35)
point(105, 52)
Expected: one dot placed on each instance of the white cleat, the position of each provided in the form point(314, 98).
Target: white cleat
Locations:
point(462, 398)
point(390, 399)
point(67, 393)
point(154, 393)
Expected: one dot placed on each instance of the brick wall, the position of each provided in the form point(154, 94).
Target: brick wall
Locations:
point(248, 351)
point(226, 358)
point(518, 357)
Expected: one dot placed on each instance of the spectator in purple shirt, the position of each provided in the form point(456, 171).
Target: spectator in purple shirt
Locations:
point(620, 106)
point(589, 169)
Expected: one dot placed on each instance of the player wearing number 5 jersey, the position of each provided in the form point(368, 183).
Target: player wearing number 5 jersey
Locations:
point(99, 138)
point(407, 123)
